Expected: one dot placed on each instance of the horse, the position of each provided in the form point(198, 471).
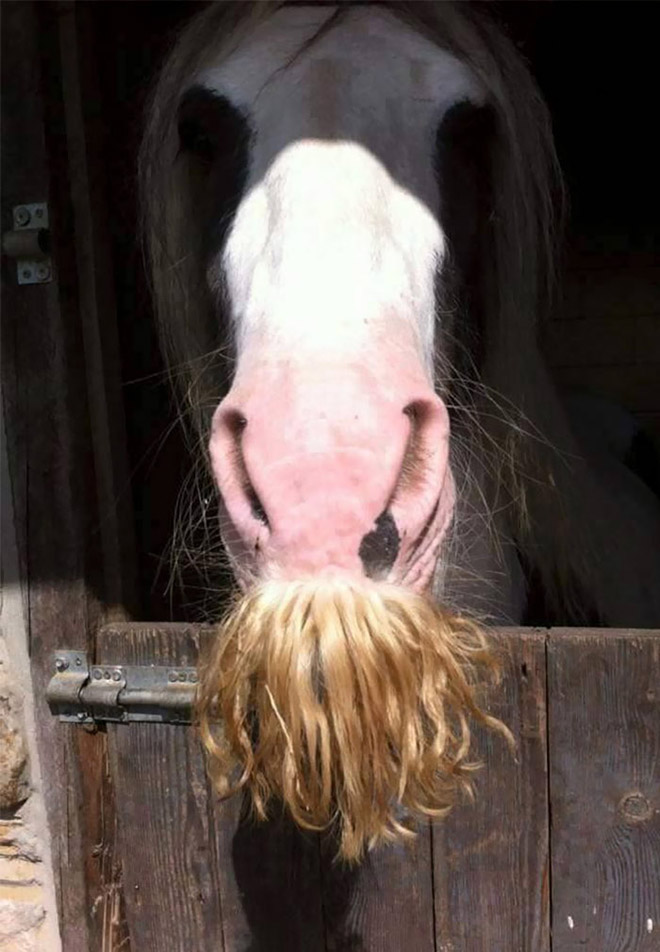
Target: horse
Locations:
point(351, 214)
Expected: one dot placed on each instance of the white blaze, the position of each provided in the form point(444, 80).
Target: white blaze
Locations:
point(338, 237)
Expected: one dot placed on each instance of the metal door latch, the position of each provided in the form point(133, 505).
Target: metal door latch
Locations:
point(119, 693)
point(29, 244)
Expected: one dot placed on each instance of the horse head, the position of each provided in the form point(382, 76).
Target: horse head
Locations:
point(322, 188)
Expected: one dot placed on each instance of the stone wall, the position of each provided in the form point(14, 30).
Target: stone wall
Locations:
point(28, 916)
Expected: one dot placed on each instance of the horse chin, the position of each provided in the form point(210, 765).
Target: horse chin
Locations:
point(349, 701)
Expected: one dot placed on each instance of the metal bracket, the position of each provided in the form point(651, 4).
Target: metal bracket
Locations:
point(84, 694)
point(29, 244)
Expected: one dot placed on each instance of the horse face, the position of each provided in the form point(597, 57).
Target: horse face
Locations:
point(331, 448)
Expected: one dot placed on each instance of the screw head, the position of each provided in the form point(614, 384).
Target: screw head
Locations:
point(26, 274)
point(172, 676)
point(61, 664)
point(81, 715)
point(38, 213)
point(43, 272)
point(22, 215)
point(96, 674)
point(116, 676)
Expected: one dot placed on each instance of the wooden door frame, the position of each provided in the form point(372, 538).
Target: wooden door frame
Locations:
point(64, 426)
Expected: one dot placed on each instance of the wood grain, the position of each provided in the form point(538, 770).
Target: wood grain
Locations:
point(604, 729)
point(490, 857)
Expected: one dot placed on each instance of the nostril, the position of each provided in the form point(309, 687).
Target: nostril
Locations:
point(256, 507)
point(416, 458)
point(235, 424)
point(416, 409)
point(421, 412)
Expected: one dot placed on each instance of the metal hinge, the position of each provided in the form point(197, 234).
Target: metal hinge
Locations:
point(28, 243)
point(119, 693)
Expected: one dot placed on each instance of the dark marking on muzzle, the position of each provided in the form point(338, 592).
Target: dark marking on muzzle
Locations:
point(380, 547)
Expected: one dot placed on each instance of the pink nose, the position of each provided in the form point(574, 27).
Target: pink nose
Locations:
point(317, 478)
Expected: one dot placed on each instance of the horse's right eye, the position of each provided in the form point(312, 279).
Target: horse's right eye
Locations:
point(195, 139)
point(211, 128)
point(212, 157)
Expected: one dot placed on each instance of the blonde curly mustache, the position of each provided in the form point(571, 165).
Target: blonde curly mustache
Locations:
point(349, 702)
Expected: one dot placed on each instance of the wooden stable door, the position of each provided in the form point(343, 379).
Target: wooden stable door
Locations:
point(560, 849)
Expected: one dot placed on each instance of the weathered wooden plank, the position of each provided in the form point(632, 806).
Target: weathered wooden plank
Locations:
point(604, 750)
point(490, 857)
point(165, 818)
point(383, 905)
point(205, 876)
